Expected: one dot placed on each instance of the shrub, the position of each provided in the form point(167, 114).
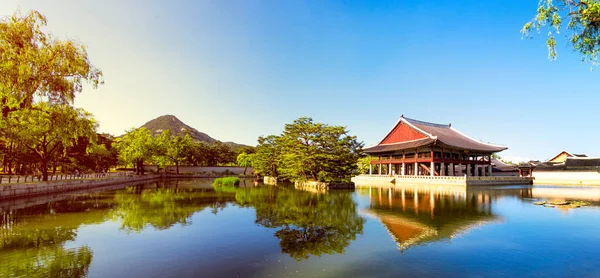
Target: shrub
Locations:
point(227, 181)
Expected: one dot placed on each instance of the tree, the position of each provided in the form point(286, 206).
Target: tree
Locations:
point(364, 165)
point(583, 24)
point(34, 63)
point(136, 146)
point(245, 160)
point(317, 151)
point(175, 147)
point(267, 155)
point(46, 128)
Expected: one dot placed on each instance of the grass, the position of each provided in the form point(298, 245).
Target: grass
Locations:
point(227, 181)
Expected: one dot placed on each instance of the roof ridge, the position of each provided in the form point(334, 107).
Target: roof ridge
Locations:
point(413, 121)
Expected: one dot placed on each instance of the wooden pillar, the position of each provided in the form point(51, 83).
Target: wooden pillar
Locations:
point(432, 167)
point(416, 168)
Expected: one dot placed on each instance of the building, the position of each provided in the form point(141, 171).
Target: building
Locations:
point(562, 157)
point(417, 148)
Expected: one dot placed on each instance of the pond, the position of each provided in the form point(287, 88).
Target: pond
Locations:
point(187, 228)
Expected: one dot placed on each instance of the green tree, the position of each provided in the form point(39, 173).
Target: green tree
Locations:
point(46, 128)
point(317, 151)
point(364, 165)
point(267, 155)
point(580, 18)
point(245, 160)
point(34, 63)
point(136, 146)
point(175, 147)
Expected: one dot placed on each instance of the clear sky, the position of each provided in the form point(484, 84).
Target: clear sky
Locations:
point(239, 69)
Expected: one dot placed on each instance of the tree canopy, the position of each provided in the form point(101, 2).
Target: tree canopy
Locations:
point(34, 63)
point(579, 18)
point(307, 150)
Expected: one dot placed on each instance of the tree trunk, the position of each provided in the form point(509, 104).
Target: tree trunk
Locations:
point(245, 170)
point(44, 169)
point(177, 167)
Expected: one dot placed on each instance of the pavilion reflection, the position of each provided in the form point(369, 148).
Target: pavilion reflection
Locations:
point(420, 214)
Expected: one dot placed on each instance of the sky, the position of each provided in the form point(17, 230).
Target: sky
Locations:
point(237, 70)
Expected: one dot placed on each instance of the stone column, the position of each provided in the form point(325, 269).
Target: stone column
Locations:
point(451, 169)
point(370, 169)
point(403, 168)
point(416, 169)
point(379, 169)
point(432, 169)
point(390, 170)
point(443, 169)
point(460, 172)
point(490, 170)
point(469, 170)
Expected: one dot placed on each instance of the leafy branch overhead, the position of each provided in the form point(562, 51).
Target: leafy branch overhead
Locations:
point(580, 18)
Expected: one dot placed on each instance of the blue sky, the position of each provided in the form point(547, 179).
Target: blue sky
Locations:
point(240, 69)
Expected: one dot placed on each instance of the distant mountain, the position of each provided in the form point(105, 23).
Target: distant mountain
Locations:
point(179, 128)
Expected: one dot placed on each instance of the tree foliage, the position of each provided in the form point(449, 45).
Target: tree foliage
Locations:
point(34, 63)
point(47, 128)
point(307, 150)
point(245, 160)
point(136, 146)
point(266, 156)
point(174, 148)
point(580, 18)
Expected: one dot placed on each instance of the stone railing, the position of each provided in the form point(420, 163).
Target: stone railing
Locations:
point(5, 179)
point(458, 178)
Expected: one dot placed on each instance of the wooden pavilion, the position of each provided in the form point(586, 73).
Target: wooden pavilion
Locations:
point(420, 148)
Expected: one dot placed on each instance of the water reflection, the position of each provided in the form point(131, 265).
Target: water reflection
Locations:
point(33, 238)
point(307, 223)
point(421, 214)
point(164, 204)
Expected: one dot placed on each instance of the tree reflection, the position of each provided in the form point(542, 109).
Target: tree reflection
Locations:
point(32, 239)
point(308, 223)
point(47, 262)
point(164, 205)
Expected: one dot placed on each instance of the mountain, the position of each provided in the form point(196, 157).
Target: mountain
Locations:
point(179, 128)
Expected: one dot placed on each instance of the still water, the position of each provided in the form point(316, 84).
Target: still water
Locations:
point(188, 229)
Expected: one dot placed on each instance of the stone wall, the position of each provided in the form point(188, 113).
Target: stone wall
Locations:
point(566, 177)
point(235, 170)
point(52, 187)
point(270, 180)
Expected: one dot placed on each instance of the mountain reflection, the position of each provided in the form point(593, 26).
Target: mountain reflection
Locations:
point(420, 214)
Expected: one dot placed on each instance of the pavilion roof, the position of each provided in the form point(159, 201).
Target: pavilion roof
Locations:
point(437, 134)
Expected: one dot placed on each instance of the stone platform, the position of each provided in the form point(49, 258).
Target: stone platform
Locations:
point(446, 180)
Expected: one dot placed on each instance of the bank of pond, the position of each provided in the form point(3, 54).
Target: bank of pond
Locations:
point(251, 230)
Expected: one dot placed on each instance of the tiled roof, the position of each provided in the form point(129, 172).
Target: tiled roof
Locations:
point(441, 134)
point(383, 148)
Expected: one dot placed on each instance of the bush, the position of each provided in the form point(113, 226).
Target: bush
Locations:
point(227, 181)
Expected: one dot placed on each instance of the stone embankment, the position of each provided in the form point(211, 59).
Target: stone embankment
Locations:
point(323, 186)
point(10, 191)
